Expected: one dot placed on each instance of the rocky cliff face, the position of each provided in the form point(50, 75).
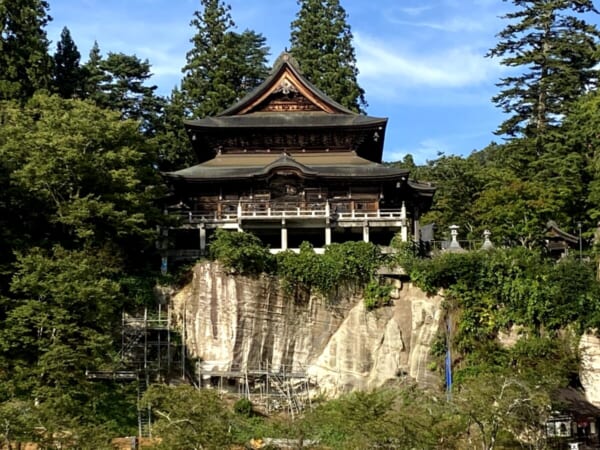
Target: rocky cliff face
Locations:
point(589, 348)
point(235, 323)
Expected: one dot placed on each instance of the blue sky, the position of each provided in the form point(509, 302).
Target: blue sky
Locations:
point(421, 62)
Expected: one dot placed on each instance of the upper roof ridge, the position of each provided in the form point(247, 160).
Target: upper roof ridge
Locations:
point(286, 76)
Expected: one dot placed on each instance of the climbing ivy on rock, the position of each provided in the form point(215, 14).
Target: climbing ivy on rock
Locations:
point(349, 264)
point(508, 289)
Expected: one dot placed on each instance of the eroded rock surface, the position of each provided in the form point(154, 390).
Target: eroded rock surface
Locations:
point(235, 323)
point(589, 348)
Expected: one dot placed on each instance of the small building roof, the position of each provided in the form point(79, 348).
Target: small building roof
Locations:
point(553, 232)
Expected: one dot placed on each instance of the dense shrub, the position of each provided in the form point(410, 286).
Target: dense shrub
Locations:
point(240, 251)
point(305, 272)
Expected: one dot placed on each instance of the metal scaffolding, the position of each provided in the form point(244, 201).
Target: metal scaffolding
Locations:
point(150, 351)
point(272, 390)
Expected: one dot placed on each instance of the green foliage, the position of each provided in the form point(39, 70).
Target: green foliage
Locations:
point(57, 323)
point(558, 50)
point(489, 292)
point(459, 182)
point(350, 263)
point(321, 42)
point(119, 82)
point(222, 64)
point(377, 294)
point(25, 66)
point(383, 418)
point(445, 270)
point(188, 418)
point(175, 150)
point(503, 408)
point(551, 360)
point(78, 215)
point(240, 252)
point(305, 272)
point(68, 76)
point(243, 407)
point(78, 175)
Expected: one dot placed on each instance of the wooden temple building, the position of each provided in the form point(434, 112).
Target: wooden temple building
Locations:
point(289, 164)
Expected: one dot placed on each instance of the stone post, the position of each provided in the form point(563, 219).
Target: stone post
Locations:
point(366, 232)
point(454, 244)
point(487, 244)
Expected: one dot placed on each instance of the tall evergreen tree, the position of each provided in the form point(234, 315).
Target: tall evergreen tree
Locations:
point(118, 82)
point(93, 74)
point(222, 64)
point(25, 65)
point(124, 89)
point(67, 72)
point(558, 52)
point(172, 142)
point(321, 41)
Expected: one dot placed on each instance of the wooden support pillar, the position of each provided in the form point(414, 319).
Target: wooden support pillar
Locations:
point(284, 236)
point(416, 225)
point(202, 239)
point(366, 232)
point(404, 226)
point(327, 234)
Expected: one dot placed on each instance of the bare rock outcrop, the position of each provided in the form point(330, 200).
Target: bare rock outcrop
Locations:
point(235, 323)
point(589, 348)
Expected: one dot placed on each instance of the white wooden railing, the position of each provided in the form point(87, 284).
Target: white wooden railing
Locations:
point(227, 213)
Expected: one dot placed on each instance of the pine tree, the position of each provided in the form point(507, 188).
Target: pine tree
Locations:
point(124, 89)
point(25, 65)
point(172, 142)
point(93, 75)
point(558, 52)
point(118, 82)
point(67, 72)
point(222, 64)
point(321, 42)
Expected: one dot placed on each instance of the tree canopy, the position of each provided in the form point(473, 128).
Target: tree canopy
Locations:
point(25, 65)
point(321, 42)
point(222, 64)
point(67, 77)
point(557, 52)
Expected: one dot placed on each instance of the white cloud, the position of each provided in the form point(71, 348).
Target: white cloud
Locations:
point(454, 67)
point(452, 25)
point(428, 149)
point(413, 11)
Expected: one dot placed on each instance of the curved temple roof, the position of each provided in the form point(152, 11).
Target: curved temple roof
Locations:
point(308, 165)
point(285, 102)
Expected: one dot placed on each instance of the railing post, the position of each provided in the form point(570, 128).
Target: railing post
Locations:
point(404, 226)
